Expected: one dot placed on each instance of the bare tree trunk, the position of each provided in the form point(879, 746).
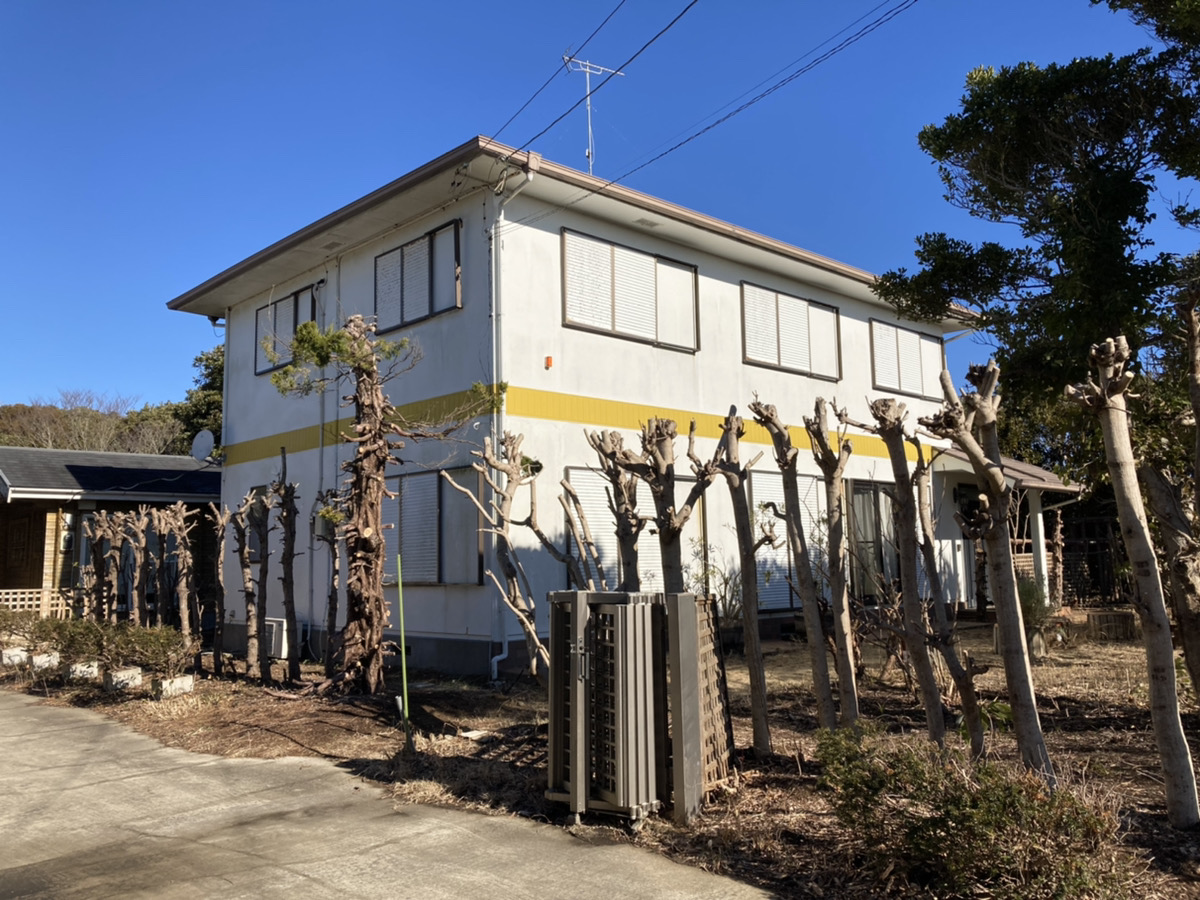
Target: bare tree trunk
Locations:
point(958, 421)
point(889, 417)
point(220, 519)
point(260, 521)
point(785, 457)
point(1183, 567)
point(1056, 554)
point(622, 502)
point(333, 517)
point(176, 518)
point(241, 530)
point(286, 493)
point(945, 633)
point(1107, 401)
point(737, 477)
point(96, 533)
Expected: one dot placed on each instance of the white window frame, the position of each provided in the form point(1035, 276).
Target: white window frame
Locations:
point(394, 534)
point(779, 360)
point(301, 306)
point(400, 285)
point(887, 357)
point(617, 320)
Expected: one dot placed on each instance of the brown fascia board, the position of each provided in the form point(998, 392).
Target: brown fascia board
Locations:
point(481, 145)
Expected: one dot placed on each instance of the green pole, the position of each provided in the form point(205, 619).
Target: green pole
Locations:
point(408, 736)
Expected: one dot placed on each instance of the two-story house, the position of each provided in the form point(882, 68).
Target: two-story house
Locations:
point(599, 307)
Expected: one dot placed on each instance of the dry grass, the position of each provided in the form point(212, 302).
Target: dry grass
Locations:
point(484, 748)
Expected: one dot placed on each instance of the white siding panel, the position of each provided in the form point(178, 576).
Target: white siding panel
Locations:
point(883, 348)
point(823, 340)
point(759, 324)
point(676, 304)
point(793, 333)
point(588, 281)
point(634, 287)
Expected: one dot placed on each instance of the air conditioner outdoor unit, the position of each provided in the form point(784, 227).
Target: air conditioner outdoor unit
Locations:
point(276, 635)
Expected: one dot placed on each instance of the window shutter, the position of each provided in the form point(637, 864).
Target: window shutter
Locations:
point(389, 290)
point(460, 529)
point(887, 363)
point(633, 293)
point(445, 269)
point(391, 529)
point(676, 304)
point(931, 366)
point(815, 524)
point(759, 324)
point(793, 333)
point(419, 527)
point(263, 331)
point(285, 328)
point(416, 279)
point(823, 341)
point(590, 486)
point(774, 568)
point(589, 280)
point(908, 344)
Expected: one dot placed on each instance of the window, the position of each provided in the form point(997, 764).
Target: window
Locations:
point(433, 528)
point(419, 279)
point(621, 291)
point(906, 361)
point(789, 332)
point(275, 326)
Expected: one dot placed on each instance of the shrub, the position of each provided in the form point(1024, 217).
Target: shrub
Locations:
point(959, 830)
point(160, 649)
point(16, 627)
point(1035, 611)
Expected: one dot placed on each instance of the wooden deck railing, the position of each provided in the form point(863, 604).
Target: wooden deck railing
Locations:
point(49, 603)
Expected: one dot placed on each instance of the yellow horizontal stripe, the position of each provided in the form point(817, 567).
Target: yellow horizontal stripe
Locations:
point(538, 404)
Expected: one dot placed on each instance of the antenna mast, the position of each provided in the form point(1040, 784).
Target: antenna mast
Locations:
point(588, 69)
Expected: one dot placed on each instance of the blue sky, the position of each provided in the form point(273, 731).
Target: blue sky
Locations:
point(149, 145)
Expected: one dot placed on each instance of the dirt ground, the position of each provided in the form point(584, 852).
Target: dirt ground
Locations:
point(484, 747)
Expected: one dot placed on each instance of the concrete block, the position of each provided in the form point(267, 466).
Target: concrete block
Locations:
point(122, 679)
point(14, 656)
point(162, 688)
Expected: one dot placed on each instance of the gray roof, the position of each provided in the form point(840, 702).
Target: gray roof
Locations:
point(33, 473)
point(1026, 476)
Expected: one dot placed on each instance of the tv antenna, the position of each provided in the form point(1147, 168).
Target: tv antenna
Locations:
point(588, 69)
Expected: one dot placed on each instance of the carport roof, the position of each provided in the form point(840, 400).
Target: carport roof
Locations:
point(28, 473)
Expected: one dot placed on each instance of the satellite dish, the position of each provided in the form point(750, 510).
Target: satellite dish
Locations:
point(202, 445)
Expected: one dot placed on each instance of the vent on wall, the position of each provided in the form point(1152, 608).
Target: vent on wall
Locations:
point(646, 223)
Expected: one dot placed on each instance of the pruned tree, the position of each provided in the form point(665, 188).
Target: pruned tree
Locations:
point(327, 528)
point(220, 520)
point(260, 526)
point(945, 634)
point(505, 473)
point(242, 528)
point(655, 466)
point(785, 457)
point(352, 353)
point(833, 467)
point(622, 502)
point(177, 521)
point(1105, 397)
point(727, 462)
point(970, 423)
point(285, 494)
point(889, 415)
point(137, 533)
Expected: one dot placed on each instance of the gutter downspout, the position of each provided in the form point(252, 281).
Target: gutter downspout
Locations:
point(499, 623)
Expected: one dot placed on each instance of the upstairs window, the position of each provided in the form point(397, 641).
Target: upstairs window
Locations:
point(419, 279)
point(275, 326)
point(906, 361)
point(789, 333)
point(626, 292)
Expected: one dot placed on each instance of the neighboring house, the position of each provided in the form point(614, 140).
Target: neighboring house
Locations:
point(599, 307)
point(45, 495)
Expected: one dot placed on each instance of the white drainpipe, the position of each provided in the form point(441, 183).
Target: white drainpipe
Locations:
point(499, 626)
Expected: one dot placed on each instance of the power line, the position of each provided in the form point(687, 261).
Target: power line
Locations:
point(783, 82)
point(557, 71)
point(642, 50)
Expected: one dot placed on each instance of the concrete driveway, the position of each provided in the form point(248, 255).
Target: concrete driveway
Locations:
point(90, 809)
